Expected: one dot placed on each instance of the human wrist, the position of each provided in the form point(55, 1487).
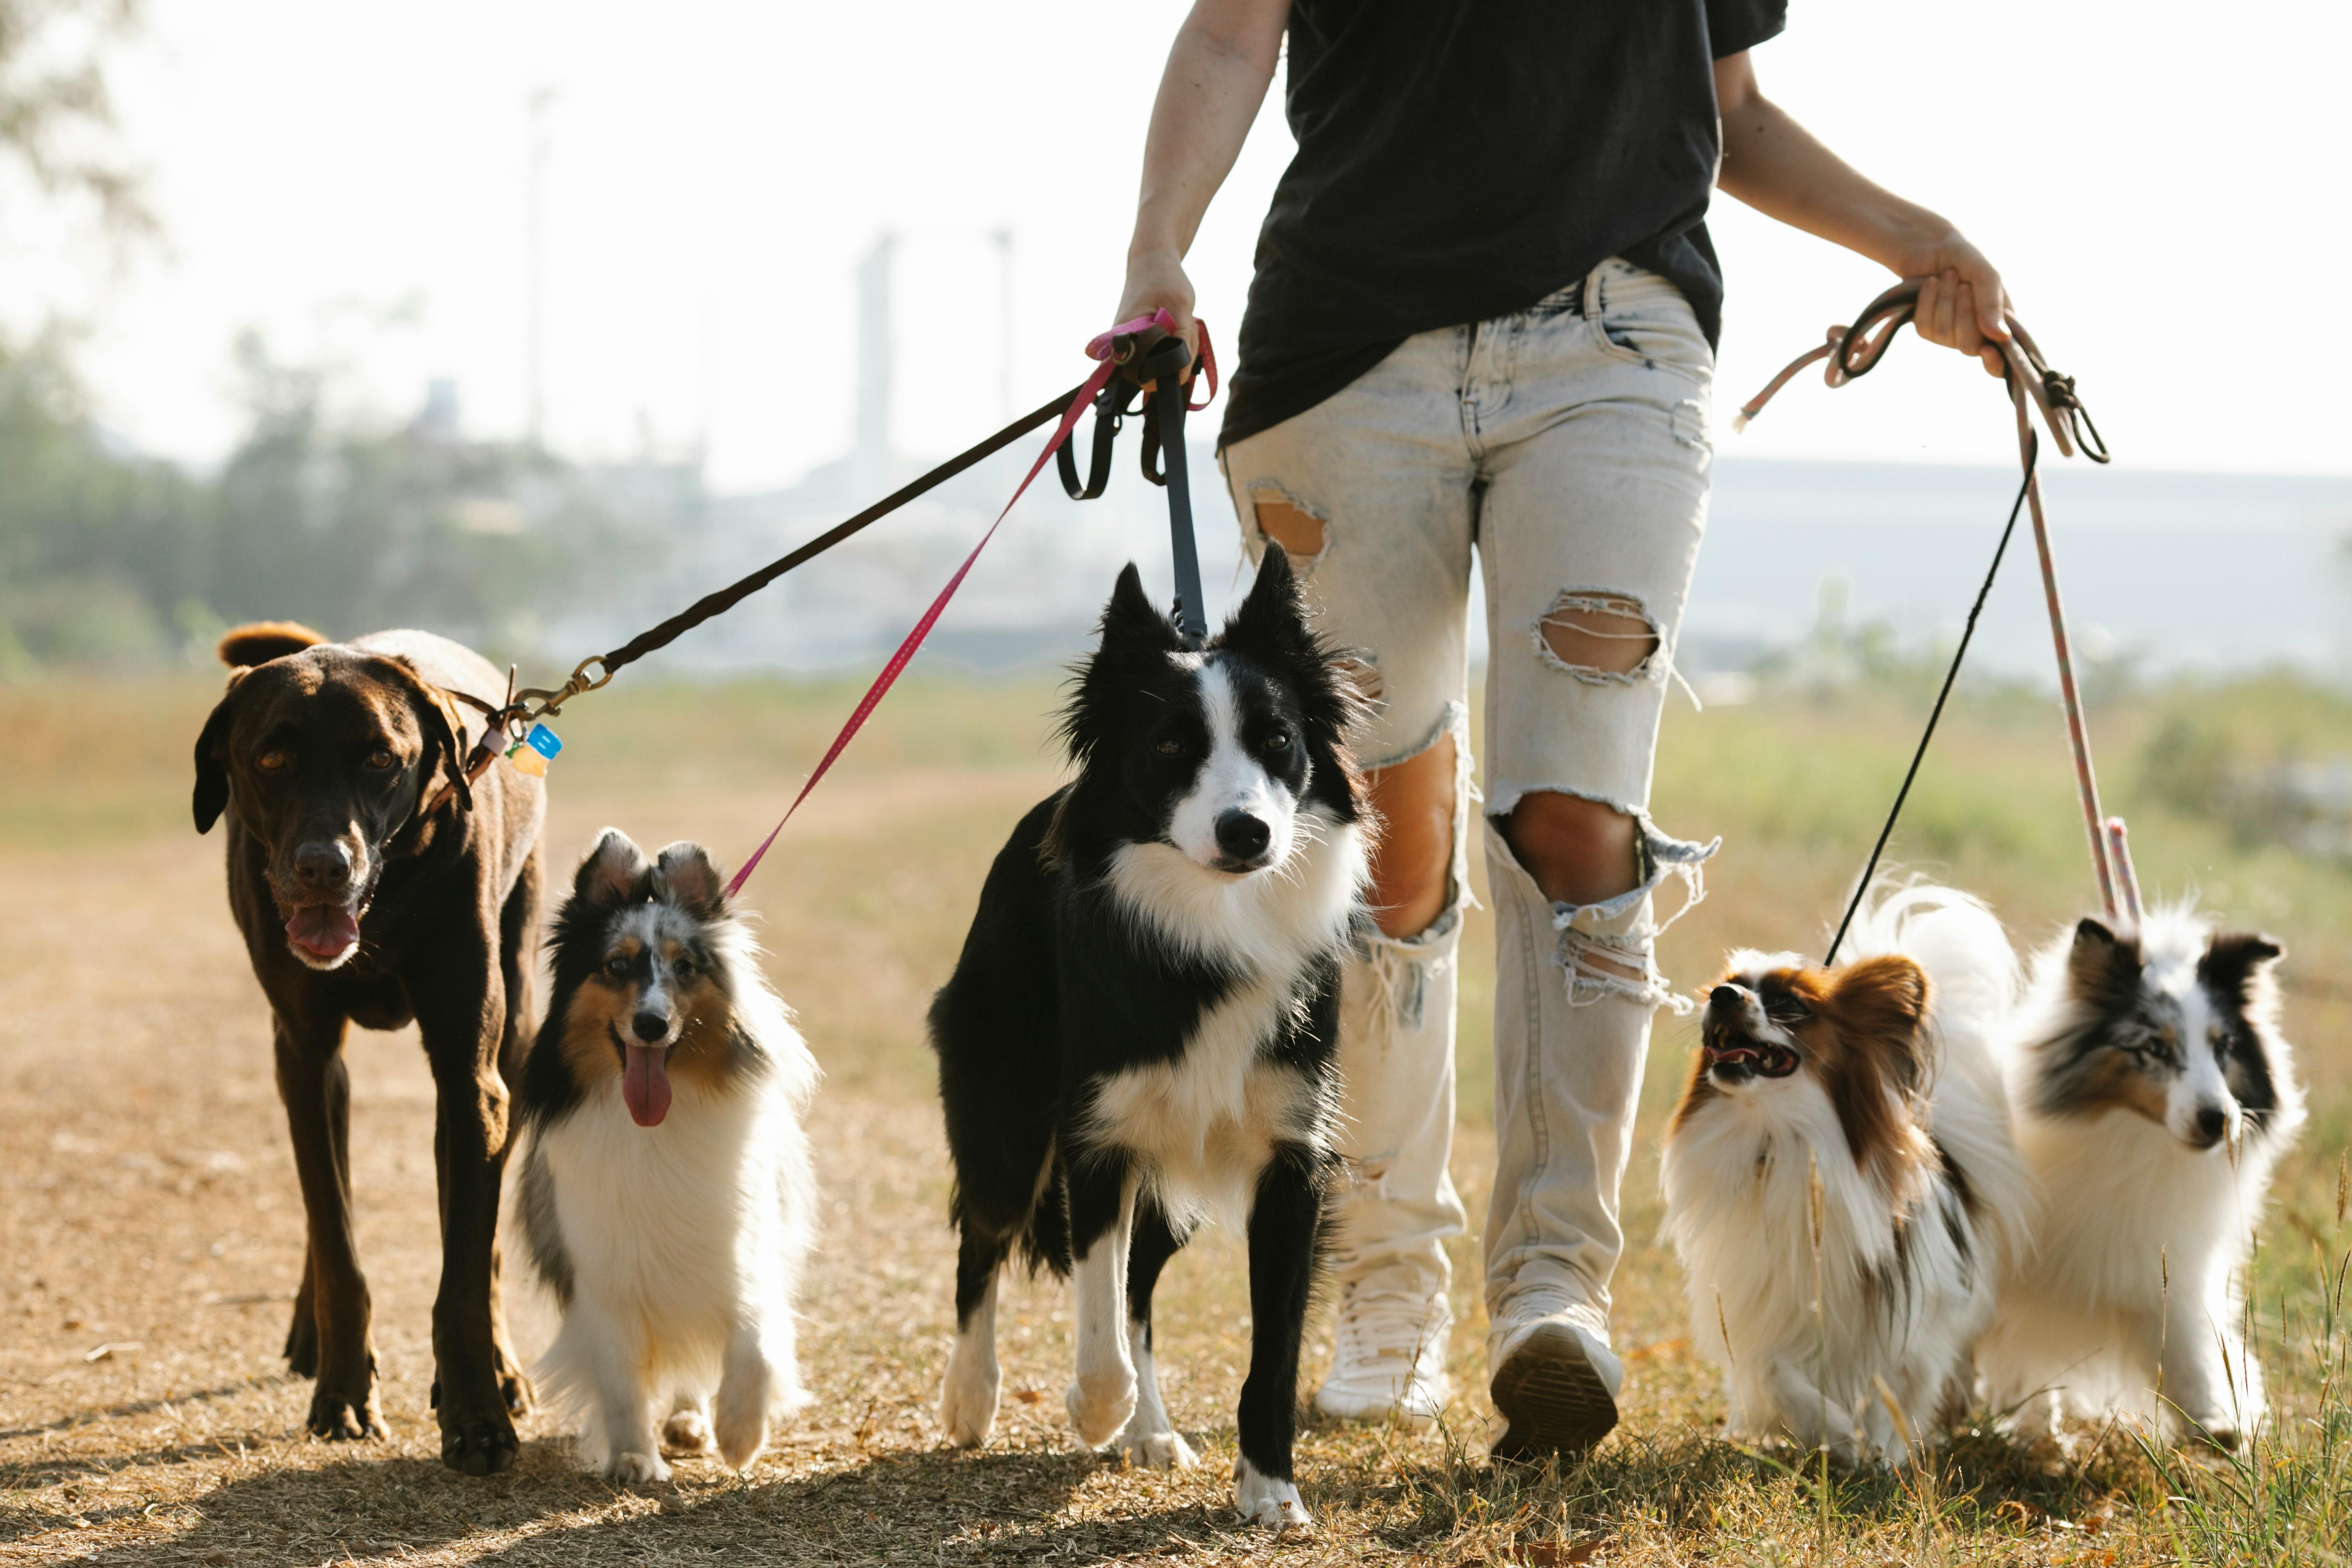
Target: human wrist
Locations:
point(1909, 237)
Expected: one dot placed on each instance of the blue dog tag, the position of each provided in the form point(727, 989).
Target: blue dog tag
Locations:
point(534, 752)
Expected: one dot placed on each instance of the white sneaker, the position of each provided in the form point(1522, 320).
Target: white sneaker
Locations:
point(1555, 1382)
point(1390, 1357)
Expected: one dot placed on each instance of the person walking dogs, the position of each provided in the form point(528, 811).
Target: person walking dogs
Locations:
point(1485, 311)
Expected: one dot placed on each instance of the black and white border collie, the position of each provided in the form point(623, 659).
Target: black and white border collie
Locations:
point(1140, 1031)
point(1841, 1181)
point(666, 1200)
point(2155, 1094)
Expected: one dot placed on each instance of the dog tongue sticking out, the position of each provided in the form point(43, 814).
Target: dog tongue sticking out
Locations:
point(323, 930)
point(644, 1084)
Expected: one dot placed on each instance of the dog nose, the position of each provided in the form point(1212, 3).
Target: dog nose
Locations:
point(1725, 998)
point(650, 1027)
point(1243, 836)
point(323, 865)
point(2211, 1122)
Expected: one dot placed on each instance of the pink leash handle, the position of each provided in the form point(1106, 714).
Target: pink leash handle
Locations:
point(1101, 349)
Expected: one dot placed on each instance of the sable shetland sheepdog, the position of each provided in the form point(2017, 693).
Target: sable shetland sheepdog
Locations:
point(1882, 1075)
point(2154, 1095)
point(1140, 1031)
point(666, 1200)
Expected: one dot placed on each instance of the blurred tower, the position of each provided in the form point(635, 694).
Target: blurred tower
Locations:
point(871, 459)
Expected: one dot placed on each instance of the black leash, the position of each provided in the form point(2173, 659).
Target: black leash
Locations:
point(1861, 889)
point(718, 603)
point(1161, 360)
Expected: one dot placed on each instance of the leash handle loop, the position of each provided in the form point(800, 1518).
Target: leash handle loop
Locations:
point(1853, 351)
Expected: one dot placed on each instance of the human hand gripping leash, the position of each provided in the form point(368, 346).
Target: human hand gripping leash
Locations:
point(1125, 346)
point(1145, 354)
point(1853, 351)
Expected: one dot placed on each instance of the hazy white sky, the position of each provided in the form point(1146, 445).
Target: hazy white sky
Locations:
point(2161, 183)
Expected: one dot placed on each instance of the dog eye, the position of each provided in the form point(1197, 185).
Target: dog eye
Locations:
point(379, 759)
point(683, 967)
point(617, 966)
point(1277, 742)
point(272, 762)
point(1168, 748)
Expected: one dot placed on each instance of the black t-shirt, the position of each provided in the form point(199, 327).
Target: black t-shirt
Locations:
point(1461, 159)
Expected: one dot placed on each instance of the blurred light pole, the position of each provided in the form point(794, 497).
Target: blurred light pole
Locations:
point(1004, 239)
point(535, 268)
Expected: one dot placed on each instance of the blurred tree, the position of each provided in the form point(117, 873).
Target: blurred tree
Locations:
point(57, 117)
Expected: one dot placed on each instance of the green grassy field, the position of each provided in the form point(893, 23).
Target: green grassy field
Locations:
point(149, 1203)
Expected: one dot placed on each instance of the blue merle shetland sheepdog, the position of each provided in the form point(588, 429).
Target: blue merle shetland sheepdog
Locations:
point(667, 1198)
point(1141, 1032)
point(2155, 1094)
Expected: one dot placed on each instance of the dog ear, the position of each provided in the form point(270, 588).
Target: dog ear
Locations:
point(445, 746)
point(2102, 968)
point(2232, 960)
point(1881, 1003)
point(437, 717)
point(686, 873)
point(614, 873)
point(212, 758)
point(1131, 620)
point(1272, 618)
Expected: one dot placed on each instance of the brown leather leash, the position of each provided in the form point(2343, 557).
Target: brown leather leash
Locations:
point(1853, 351)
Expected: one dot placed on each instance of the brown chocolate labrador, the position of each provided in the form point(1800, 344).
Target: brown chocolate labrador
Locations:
point(358, 907)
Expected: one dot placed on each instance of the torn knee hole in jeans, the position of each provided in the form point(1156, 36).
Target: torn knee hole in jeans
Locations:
point(1300, 528)
point(1606, 947)
point(1599, 636)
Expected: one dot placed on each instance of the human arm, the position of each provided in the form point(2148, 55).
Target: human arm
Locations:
point(1218, 68)
point(1777, 167)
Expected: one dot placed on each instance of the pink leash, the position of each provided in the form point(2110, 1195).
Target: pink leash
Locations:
point(1104, 350)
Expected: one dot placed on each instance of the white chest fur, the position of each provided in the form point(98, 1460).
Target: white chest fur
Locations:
point(1204, 1124)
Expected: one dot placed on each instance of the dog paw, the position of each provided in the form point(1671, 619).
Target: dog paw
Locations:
point(1265, 1500)
point(339, 1419)
point(481, 1446)
point(968, 1406)
point(1099, 1404)
point(514, 1384)
point(637, 1470)
point(740, 1434)
point(684, 1434)
point(1157, 1451)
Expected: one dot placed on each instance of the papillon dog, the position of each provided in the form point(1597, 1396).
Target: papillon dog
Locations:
point(667, 1199)
point(2154, 1095)
point(1140, 1031)
point(1841, 1181)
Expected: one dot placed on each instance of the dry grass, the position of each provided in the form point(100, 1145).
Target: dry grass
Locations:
point(150, 1217)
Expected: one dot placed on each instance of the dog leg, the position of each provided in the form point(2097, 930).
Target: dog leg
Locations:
point(968, 1398)
point(315, 1084)
point(623, 1416)
point(1151, 1440)
point(469, 1144)
point(518, 962)
point(1286, 1217)
point(2207, 1393)
point(739, 1417)
point(302, 1333)
point(1812, 1417)
point(1101, 1397)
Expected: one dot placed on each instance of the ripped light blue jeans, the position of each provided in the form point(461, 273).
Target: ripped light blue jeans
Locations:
point(1569, 445)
